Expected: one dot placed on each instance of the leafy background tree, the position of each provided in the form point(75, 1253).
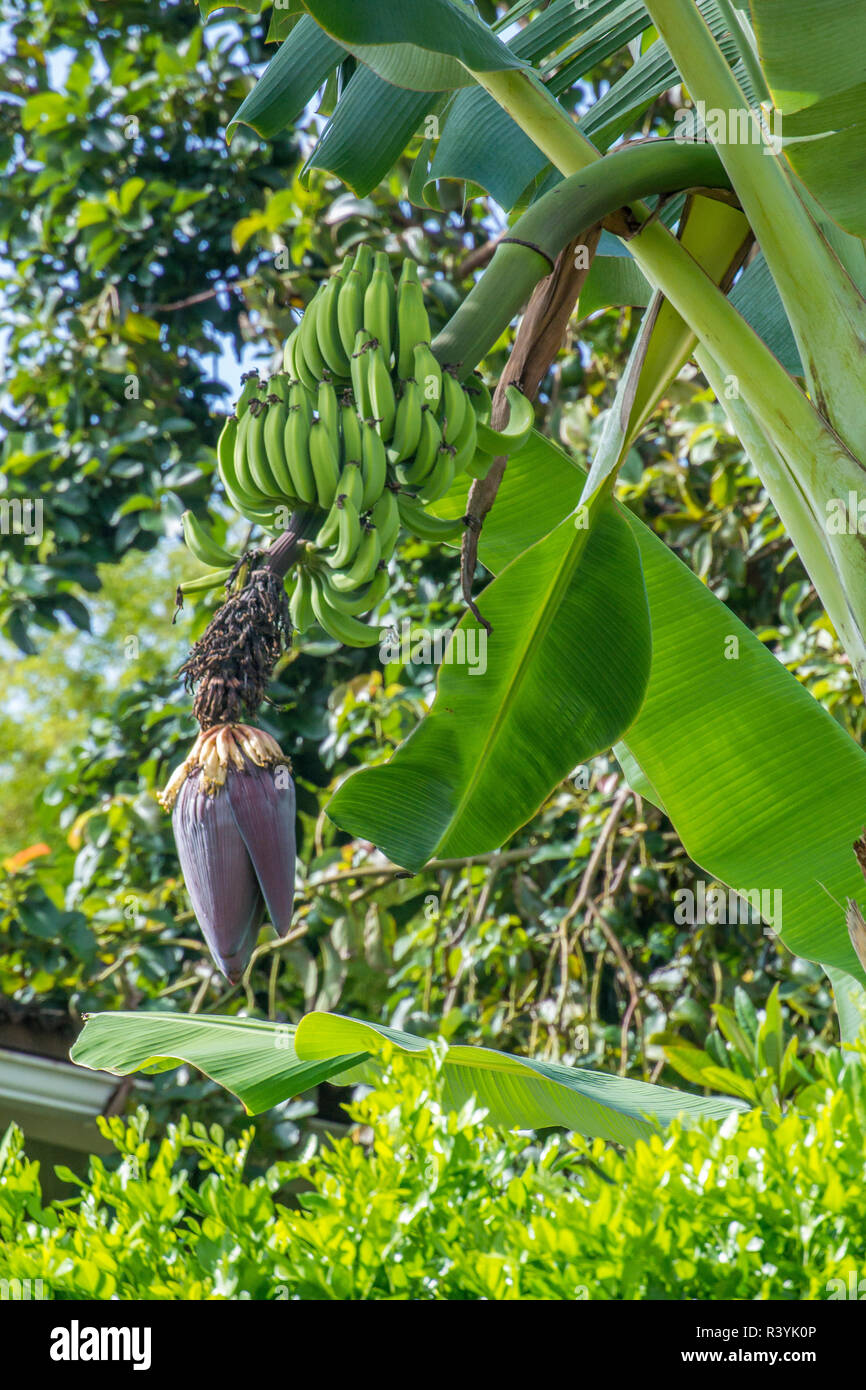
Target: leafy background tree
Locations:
point(143, 256)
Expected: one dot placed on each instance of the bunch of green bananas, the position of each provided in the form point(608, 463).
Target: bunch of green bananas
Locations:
point(363, 424)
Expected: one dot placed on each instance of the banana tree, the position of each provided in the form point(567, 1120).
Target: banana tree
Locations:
point(599, 636)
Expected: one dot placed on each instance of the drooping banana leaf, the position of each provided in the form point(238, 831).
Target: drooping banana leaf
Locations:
point(266, 1063)
point(560, 676)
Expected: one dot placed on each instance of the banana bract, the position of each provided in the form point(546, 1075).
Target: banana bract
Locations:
point(233, 815)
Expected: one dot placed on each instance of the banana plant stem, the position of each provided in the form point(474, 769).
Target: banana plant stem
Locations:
point(303, 524)
point(795, 512)
point(827, 313)
point(530, 249)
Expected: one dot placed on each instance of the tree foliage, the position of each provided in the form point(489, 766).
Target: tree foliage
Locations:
point(117, 215)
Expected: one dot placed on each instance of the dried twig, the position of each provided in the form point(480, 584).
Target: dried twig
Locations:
point(566, 943)
point(631, 980)
point(508, 856)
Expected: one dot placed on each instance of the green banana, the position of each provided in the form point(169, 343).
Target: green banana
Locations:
point(202, 544)
point(392, 303)
point(349, 532)
point(329, 529)
point(275, 441)
point(381, 387)
point(479, 465)
point(328, 329)
point(246, 484)
point(454, 407)
point(413, 325)
point(466, 441)
point(325, 464)
point(440, 479)
point(329, 412)
point(300, 369)
point(300, 396)
point(351, 484)
point(242, 503)
point(386, 519)
point(263, 516)
point(289, 350)
point(363, 263)
point(407, 423)
point(360, 373)
point(479, 397)
point(296, 445)
point(278, 385)
point(257, 457)
point(341, 626)
point(250, 387)
point(428, 374)
point(426, 451)
point(206, 581)
point(374, 466)
point(421, 523)
point(520, 422)
point(350, 427)
point(308, 358)
point(300, 604)
point(377, 303)
point(359, 600)
point(350, 576)
point(226, 450)
point(350, 312)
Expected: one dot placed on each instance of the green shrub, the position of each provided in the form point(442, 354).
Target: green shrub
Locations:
point(422, 1204)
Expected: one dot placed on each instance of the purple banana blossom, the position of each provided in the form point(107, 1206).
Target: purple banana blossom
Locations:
point(233, 816)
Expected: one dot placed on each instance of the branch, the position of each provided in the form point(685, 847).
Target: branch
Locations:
point(508, 856)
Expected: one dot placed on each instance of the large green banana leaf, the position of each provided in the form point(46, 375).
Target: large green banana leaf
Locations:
point(363, 155)
point(265, 1063)
point(425, 48)
point(407, 52)
point(810, 51)
point(766, 791)
point(292, 77)
point(429, 47)
point(563, 675)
